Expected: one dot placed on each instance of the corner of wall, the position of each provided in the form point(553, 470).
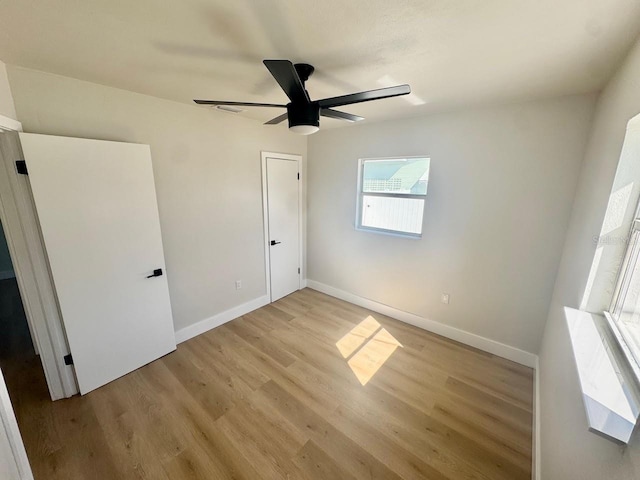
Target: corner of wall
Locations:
point(7, 107)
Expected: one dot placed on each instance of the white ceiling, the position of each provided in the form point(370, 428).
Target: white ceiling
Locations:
point(452, 52)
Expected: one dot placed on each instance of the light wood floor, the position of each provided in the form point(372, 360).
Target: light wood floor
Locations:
point(279, 394)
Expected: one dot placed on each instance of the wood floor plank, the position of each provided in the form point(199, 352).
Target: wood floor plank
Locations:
point(491, 427)
point(309, 387)
point(395, 458)
point(124, 437)
point(495, 442)
point(220, 373)
point(269, 317)
point(349, 455)
point(201, 384)
point(316, 463)
point(77, 424)
point(266, 443)
point(310, 393)
point(151, 414)
point(190, 420)
point(220, 353)
point(506, 411)
point(448, 448)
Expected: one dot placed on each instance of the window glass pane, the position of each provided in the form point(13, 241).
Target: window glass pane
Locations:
point(399, 176)
point(393, 213)
point(628, 317)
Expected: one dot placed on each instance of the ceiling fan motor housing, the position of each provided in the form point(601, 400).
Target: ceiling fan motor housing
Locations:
point(304, 114)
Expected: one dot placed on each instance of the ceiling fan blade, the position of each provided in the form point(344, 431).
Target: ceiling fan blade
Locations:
point(285, 74)
point(365, 96)
point(278, 119)
point(238, 104)
point(327, 112)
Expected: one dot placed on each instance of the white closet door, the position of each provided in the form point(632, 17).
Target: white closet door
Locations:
point(284, 230)
point(96, 203)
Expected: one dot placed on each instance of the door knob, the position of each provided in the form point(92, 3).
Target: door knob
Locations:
point(156, 273)
point(273, 242)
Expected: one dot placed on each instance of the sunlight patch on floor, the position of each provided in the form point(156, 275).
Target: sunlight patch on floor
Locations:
point(367, 347)
point(357, 336)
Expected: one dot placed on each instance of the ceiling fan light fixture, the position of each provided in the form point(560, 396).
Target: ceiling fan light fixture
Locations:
point(304, 129)
point(304, 119)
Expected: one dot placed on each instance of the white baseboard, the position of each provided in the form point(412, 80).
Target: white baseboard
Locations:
point(207, 324)
point(537, 459)
point(491, 346)
point(5, 274)
point(303, 283)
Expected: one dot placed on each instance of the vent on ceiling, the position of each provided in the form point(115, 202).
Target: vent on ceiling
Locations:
point(229, 109)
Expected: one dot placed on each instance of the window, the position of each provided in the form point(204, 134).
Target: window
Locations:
point(391, 195)
point(625, 308)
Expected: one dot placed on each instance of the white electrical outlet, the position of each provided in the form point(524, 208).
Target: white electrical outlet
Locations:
point(238, 284)
point(444, 298)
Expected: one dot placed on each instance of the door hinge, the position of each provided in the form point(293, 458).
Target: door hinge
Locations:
point(21, 167)
point(68, 360)
point(298, 175)
point(298, 270)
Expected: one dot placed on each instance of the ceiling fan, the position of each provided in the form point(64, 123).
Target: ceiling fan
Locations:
point(303, 113)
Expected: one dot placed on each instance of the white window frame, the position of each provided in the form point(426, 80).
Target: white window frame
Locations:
point(360, 199)
point(631, 257)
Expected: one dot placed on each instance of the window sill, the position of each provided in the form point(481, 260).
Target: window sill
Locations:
point(609, 387)
point(391, 233)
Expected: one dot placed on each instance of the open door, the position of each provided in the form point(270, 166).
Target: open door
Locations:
point(97, 210)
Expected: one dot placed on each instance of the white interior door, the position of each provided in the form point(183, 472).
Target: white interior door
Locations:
point(284, 227)
point(96, 203)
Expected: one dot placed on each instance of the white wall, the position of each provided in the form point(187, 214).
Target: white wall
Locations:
point(7, 108)
point(501, 186)
point(569, 451)
point(207, 173)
